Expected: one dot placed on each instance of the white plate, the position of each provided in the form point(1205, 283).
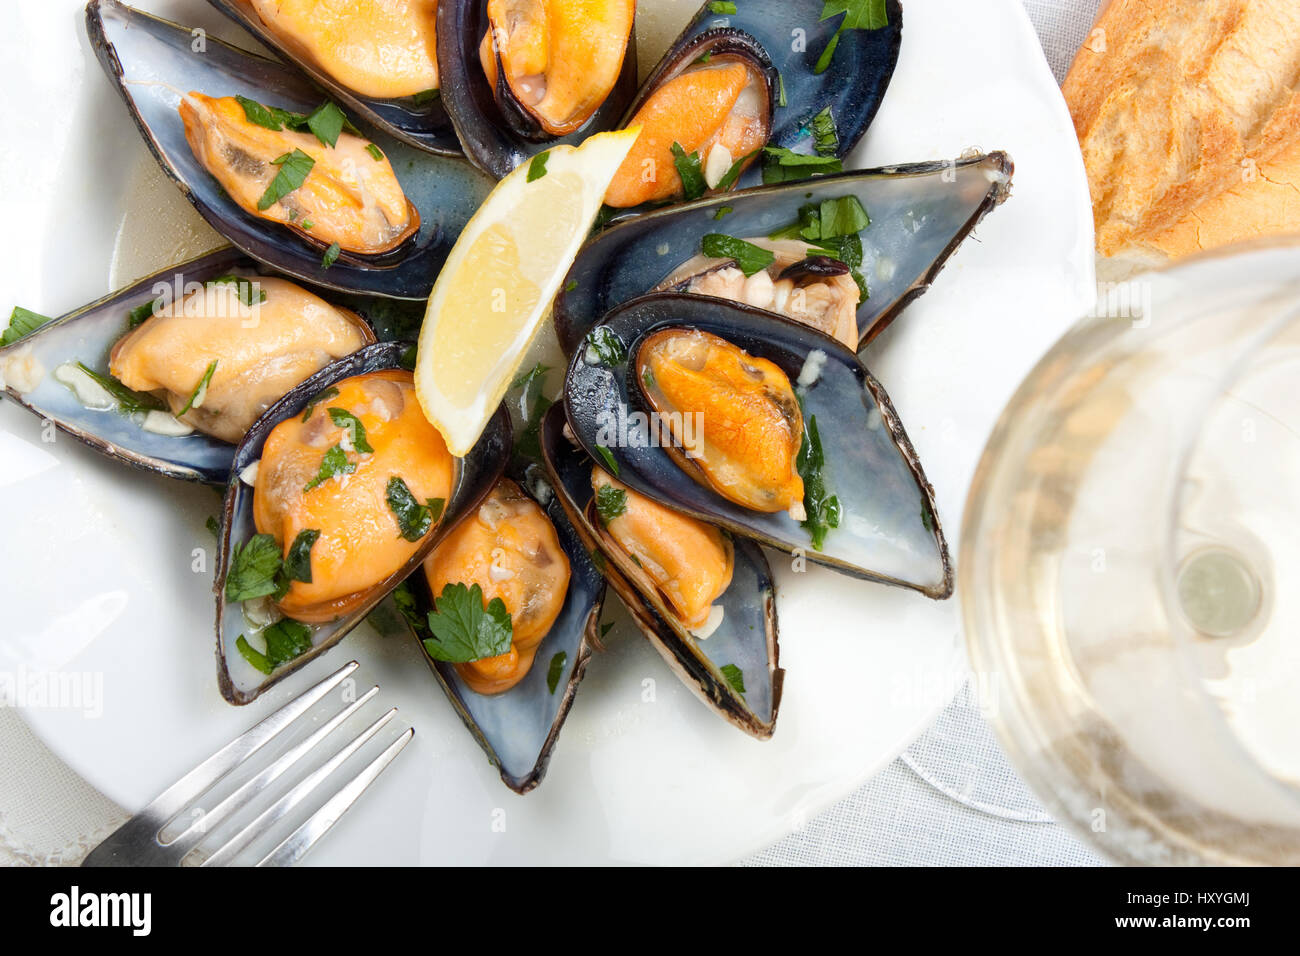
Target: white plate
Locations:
point(95, 573)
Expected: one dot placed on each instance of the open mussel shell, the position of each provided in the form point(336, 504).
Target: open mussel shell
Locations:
point(493, 137)
point(889, 530)
point(476, 473)
point(746, 638)
point(518, 729)
point(152, 61)
point(415, 121)
point(920, 214)
point(852, 86)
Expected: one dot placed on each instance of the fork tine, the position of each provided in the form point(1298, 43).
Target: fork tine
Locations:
point(300, 791)
point(320, 822)
point(193, 784)
point(197, 830)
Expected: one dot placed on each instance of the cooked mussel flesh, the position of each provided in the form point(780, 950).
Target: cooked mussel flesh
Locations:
point(552, 63)
point(223, 354)
point(689, 563)
point(361, 476)
point(733, 418)
point(808, 287)
point(384, 49)
point(717, 105)
point(510, 549)
point(345, 194)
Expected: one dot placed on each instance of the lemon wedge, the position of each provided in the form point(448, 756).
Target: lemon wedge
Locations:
point(496, 288)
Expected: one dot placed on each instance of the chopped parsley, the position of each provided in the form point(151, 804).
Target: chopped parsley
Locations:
point(324, 396)
point(733, 172)
point(212, 525)
point(294, 168)
point(200, 391)
point(248, 291)
point(533, 406)
point(537, 168)
point(376, 154)
point(21, 322)
point(128, 400)
point(335, 462)
point(352, 425)
point(722, 7)
point(556, 670)
point(722, 211)
point(407, 359)
point(781, 165)
point(285, 640)
point(748, 257)
point(413, 519)
point(610, 463)
point(327, 122)
point(570, 285)
point(826, 138)
point(780, 90)
point(297, 563)
point(404, 599)
point(859, 15)
point(463, 630)
point(425, 97)
point(331, 255)
point(606, 347)
point(141, 313)
point(611, 502)
point(255, 570)
point(823, 508)
point(735, 677)
point(831, 227)
point(688, 168)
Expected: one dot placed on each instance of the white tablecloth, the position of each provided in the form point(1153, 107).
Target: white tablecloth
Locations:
point(950, 799)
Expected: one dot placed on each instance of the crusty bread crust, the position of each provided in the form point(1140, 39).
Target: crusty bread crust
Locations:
point(1178, 101)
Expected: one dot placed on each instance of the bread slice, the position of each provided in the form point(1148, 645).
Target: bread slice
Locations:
point(1176, 102)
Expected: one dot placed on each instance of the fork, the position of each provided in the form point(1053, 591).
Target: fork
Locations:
point(140, 841)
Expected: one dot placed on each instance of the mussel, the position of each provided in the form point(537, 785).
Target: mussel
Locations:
point(226, 352)
point(397, 253)
point(376, 57)
point(522, 552)
point(214, 341)
point(918, 216)
point(732, 419)
point(338, 493)
point(344, 195)
point(715, 102)
point(867, 508)
point(519, 76)
point(801, 283)
point(704, 599)
point(552, 63)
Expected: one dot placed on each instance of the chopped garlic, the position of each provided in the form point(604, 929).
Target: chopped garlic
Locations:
point(165, 423)
point(812, 369)
point(21, 371)
point(249, 475)
point(717, 165)
point(89, 392)
point(712, 624)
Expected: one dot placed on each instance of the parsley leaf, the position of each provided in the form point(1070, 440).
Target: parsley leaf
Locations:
point(352, 425)
point(537, 168)
point(556, 670)
point(254, 569)
point(823, 508)
point(22, 322)
point(404, 599)
point(200, 390)
point(294, 168)
point(735, 677)
point(722, 211)
point(324, 396)
point(327, 122)
point(859, 15)
point(463, 630)
point(413, 519)
point(375, 152)
point(285, 640)
point(722, 6)
point(604, 346)
point(297, 564)
point(128, 400)
point(331, 255)
point(335, 462)
point(141, 313)
point(688, 168)
point(533, 406)
point(609, 459)
point(826, 138)
point(781, 165)
point(748, 257)
point(245, 288)
point(610, 503)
